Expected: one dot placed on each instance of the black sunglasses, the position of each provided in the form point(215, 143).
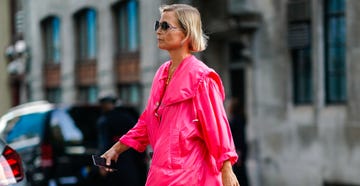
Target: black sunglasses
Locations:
point(163, 25)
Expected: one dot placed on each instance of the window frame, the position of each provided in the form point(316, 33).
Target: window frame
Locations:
point(50, 28)
point(300, 50)
point(53, 94)
point(88, 94)
point(339, 75)
point(86, 26)
point(126, 96)
point(127, 26)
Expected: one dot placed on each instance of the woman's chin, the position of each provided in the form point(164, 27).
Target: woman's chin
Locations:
point(161, 47)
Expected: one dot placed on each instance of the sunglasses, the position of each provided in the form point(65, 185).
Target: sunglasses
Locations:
point(163, 25)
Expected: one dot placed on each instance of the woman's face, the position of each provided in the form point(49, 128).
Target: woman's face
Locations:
point(171, 38)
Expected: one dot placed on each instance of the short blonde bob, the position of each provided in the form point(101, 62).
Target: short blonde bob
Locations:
point(190, 20)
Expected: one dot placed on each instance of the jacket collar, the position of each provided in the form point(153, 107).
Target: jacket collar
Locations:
point(184, 82)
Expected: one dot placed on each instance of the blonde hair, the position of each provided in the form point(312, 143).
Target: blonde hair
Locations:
point(190, 20)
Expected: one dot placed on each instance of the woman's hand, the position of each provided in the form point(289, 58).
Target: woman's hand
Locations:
point(228, 176)
point(113, 153)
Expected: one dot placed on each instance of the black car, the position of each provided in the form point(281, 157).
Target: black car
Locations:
point(55, 142)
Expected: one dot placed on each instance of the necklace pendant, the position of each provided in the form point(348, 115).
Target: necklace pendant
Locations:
point(167, 81)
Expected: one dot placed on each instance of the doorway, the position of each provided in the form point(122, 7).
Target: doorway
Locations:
point(237, 69)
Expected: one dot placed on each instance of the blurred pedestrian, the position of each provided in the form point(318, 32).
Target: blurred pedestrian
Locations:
point(113, 123)
point(184, 121)
point(237, 122)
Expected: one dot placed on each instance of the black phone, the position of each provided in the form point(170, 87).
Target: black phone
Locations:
point(99, 161)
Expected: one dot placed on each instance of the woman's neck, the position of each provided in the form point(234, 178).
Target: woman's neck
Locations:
point(177, 58)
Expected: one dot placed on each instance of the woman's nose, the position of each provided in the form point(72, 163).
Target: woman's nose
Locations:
point(158, 30)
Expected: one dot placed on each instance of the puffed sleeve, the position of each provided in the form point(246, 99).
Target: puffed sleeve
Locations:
point(137, 137)
point(213, 119)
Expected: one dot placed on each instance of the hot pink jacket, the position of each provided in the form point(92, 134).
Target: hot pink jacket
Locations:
point(187, 127)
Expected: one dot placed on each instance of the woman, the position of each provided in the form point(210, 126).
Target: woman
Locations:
point(184, 120)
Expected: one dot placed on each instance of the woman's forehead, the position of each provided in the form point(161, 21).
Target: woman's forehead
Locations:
point(168, 16)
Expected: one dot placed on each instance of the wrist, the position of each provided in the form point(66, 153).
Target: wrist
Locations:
point(119, 147)
point(226, 166)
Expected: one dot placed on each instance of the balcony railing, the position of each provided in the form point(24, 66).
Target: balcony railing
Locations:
point(86, 73)
point(52, 74)
point(127, 68)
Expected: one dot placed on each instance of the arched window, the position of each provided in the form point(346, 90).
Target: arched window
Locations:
point(127, 26)
point(50, 30)
point(86, 34)
point(51, 39)
point(299, 40)
point(335, 50)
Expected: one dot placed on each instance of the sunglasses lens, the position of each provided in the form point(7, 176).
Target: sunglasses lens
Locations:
point(165, 26)
point(157, 25)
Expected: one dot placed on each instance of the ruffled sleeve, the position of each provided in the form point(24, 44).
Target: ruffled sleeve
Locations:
point(212, 116)
point(137, 137)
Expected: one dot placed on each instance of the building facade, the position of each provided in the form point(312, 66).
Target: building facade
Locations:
point(80, 50)
point(4, 42)
point(291, 63)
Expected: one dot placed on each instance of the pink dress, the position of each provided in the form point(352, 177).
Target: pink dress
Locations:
point(186, 125)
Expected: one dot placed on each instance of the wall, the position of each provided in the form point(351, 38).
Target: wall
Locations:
point(4, 42)
point(303, 145)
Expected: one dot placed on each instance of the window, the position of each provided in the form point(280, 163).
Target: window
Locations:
point(53, 95)
point(86, 42)
point(86, 34)
point(335, 37)
point(299, 40)
point(127, 26)
point(126, 21)
point(130, 94)
point(51, 39)
point(238, 59)
point(302, 76)
point(64, 126)
point(52, 58)
point(26, 126)
point(88, 94)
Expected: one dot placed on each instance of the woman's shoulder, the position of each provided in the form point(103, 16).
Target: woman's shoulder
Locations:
point(205, 71)
point(197, 66)
point(201, 74)
point(207, 76)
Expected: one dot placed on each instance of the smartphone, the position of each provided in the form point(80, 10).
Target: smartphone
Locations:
point(99, 161)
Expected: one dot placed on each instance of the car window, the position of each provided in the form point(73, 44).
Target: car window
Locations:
point(63, 126)
point(27, 126)
point(85, 118)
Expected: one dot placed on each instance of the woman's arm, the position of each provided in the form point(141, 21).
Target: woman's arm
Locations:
point(228, 176)
point(216, 131)
point(137, 137)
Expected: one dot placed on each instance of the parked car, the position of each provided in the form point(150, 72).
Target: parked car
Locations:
point(55, 142)
point(11, 167)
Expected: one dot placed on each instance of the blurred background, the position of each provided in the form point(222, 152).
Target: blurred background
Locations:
point(292, 64)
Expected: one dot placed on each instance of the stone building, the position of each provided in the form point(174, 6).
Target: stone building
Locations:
point(80, 49)
point(4, 42)
point(292, 63)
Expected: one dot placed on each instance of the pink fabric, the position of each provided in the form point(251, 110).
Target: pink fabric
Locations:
point(187, 127)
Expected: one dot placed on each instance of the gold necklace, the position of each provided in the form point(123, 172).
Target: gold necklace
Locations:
point(170, 74)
